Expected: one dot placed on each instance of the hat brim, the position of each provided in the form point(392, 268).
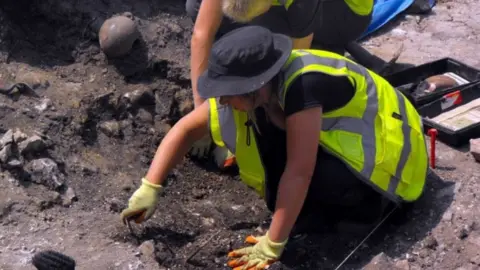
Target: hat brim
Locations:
point(239, 85)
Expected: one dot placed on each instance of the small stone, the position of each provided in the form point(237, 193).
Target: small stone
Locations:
point(423, 253)
point(430, 242)
point(5, 153)
point(14, 163)
point(475, 260)
point(69, 197)
point(33, 144)
point(463, 232)
point(7, 138)
point(208, 222)
point(402, 265)
point(19, 136)
point(447, 216)
point(185, 107)
point(144, 116)
point(48, 200)
point(44, 105)
point(110, 128)
point(115, 205)
point(147, 248)
point(163, 127)
point(475, 148)
point(139, 97)
point(45, 171)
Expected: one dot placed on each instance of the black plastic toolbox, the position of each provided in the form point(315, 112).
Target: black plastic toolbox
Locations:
point(417, 74)
point(447, 103)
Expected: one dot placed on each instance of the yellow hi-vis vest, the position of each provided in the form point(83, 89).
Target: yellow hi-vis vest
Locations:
point(360, 7)
point(378, 134)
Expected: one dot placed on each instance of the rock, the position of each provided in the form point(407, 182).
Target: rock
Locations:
point(19, 136)
point(34, 144)
point(379, 262)
point(44, 105)
point(475, 148)
point(463, 232)
point(139, 97)
point(144, 116)
point(208, 222)
point(35, 79)
point(7, 138)
point(430, 242)
point(475, 260)
point(147, 248)
point(110, 128)
point(45, 171)
point(116, 205)
point(48, 200)
point(185, 107)
point(6, 153)
point(162, 127)
point(447, 216)
point(69, 197)
point(117, 35)
point(402, 265)
point(14, 163)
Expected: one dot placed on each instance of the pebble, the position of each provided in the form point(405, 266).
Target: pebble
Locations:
point(44, 105)
point(110, 128)
point(69, 197)
point(147, 248)
point(430, 242)
point(463, 232)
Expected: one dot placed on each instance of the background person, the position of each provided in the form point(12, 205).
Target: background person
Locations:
point(331, 24)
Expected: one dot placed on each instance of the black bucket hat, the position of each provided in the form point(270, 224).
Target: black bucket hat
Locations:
point(244, 60)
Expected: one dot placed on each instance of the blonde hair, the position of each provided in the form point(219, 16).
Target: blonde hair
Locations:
point(244, 10)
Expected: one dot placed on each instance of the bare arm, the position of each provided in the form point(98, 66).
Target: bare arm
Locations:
point(177, 142)
point(302, 145)
point(206, 26)
point(303, 43)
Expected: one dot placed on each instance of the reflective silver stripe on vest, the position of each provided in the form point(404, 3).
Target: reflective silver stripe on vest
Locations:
point(227, 126)
point(364, 126)
point(407, 145)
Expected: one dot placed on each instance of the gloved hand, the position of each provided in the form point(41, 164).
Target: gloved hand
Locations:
point(201, 148)
point(260, 256)
point(223, 157)
point(143, 202)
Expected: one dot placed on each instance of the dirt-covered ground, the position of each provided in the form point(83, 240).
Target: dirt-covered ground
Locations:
point(72, 155)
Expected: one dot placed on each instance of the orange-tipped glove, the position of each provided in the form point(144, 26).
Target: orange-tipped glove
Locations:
point(264, 253)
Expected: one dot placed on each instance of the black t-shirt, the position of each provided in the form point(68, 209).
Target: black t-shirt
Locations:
point(300, 20)
point(307, 91)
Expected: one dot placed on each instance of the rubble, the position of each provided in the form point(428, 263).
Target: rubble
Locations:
point(45, 171)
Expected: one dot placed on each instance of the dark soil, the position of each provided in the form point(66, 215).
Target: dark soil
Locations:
point(103, 142)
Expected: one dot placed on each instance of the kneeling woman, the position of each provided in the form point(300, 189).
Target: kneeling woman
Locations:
point(312, 132)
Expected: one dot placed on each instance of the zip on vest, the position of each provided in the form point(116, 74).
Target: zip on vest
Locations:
point(249, 125)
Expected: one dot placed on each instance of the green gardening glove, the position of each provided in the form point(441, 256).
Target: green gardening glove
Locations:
point(143, 202)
